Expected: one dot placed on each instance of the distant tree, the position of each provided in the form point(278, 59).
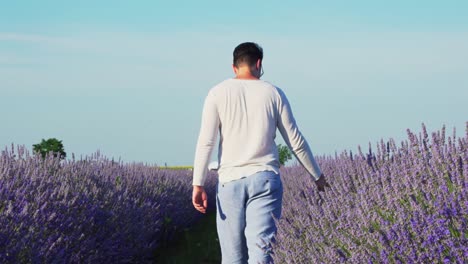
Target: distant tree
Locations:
point(51, 144)
point(284, 154)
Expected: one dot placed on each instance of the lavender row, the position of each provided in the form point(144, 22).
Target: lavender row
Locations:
point(92, 210)
point(405, 203)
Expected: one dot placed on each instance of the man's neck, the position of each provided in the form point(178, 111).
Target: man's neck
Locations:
point(244, 73)
point(246, 77)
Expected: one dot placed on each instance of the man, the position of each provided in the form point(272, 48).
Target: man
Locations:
point(246, 111)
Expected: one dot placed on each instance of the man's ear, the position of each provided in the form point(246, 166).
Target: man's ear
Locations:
point(259, 64)
point(234, 68)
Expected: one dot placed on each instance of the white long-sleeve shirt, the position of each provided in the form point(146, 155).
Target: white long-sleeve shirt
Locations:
point(247, 113)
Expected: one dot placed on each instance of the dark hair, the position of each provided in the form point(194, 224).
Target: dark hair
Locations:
point(248, 53)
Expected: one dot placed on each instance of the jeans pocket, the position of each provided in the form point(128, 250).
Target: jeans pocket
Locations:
point(230, 193)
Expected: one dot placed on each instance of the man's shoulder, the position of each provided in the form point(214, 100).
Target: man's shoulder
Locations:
point(223, 83)
point(218, 89)
point(274, 88)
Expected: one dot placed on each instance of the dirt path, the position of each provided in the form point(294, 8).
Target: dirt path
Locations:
point(197, 245)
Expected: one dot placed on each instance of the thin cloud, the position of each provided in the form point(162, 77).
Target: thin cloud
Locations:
point(33, 38)
point(103, 59)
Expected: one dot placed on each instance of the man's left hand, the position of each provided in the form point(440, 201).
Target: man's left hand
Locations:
point(322, 183)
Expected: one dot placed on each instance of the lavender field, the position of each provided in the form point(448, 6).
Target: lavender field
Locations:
point(403, 202)
point(92, 210)
point(398, 203)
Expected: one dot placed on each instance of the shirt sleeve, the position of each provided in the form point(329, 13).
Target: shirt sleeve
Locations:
point(294, 139)
point(206, 140)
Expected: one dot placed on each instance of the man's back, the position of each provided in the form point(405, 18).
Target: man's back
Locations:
point(248, 113)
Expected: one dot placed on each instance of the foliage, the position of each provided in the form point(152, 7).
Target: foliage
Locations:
point(51, 144)
point(89, 211)
point(284, 154)
point(404, 203)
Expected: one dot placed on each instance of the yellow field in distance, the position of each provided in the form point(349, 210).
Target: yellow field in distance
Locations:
point(176, 167)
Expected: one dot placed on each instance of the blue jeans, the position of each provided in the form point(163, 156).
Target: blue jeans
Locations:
point(244, 217)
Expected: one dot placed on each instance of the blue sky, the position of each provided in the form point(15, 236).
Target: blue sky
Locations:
point(129, 78)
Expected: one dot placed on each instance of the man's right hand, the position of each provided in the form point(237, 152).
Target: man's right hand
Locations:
point(199, 198)
point(322, 183)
